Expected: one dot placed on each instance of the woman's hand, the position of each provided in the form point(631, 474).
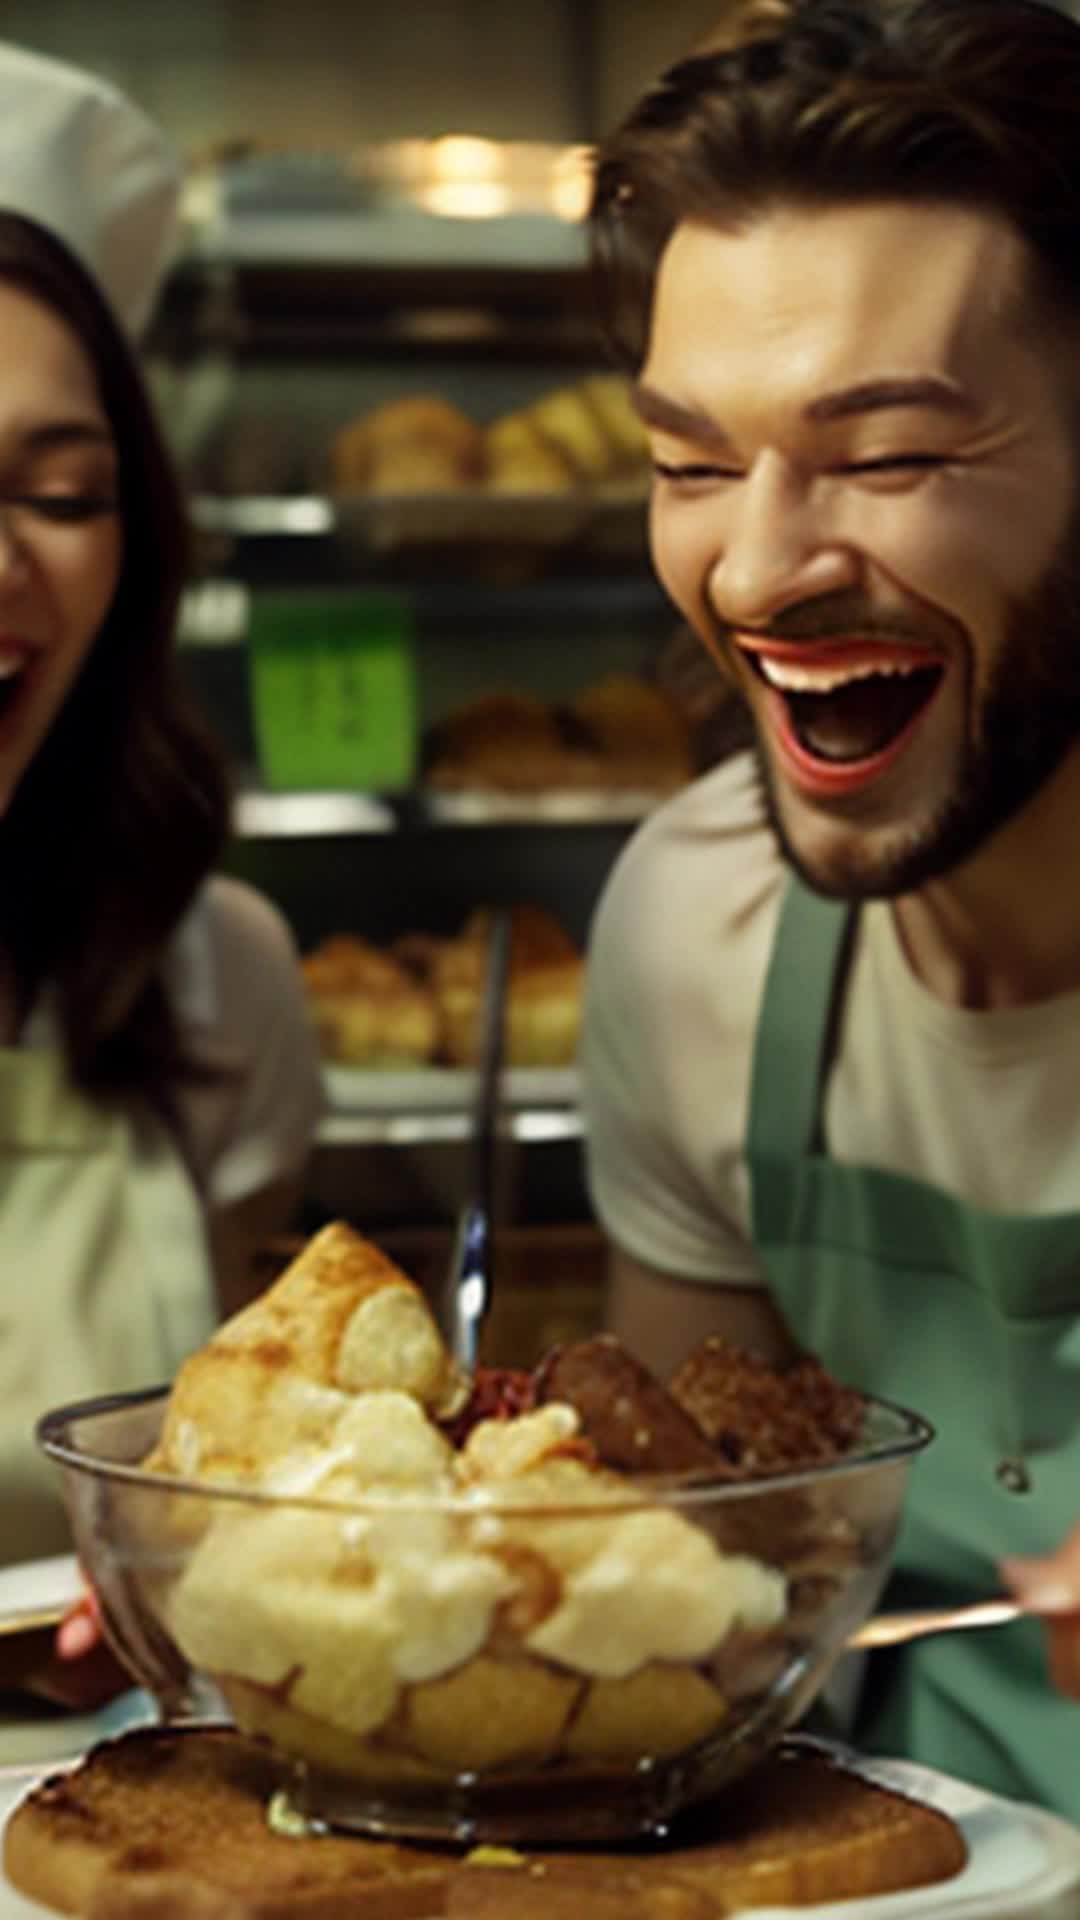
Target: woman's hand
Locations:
point(1050, 1587)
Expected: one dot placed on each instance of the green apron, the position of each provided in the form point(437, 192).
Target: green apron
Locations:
point(972, 1319)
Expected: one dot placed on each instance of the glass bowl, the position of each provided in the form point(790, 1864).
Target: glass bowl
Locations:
point(476, 1669)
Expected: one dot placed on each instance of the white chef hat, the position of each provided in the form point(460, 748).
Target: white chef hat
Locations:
point(79, 158)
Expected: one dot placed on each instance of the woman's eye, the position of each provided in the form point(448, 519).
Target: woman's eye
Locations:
point(64, 508)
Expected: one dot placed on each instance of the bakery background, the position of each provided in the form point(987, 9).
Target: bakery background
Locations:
point(421, 613)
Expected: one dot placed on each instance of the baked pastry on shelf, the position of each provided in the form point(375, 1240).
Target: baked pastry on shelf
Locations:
point(619, 733)
point(543, 994)
point(419, 444)
point(574, 438)
point(367, 1009)
point(418, 1003)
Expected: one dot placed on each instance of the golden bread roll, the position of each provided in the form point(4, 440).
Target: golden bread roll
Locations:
point(571, 423)
point(545, 980)
point(519, 458)
point(367, 1009)
point(418, 444)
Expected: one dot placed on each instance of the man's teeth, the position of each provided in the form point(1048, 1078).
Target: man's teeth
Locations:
point(10, 665)
point(792, 678)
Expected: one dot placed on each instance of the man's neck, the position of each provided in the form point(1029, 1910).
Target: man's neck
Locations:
point(1004, 929)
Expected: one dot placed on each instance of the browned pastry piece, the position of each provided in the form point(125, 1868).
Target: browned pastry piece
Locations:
point(171, 1824)
point(341, 1316)
point(632, 1421)
point(639, 732)
point(766, 1419)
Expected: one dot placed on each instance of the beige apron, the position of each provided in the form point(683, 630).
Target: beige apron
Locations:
point(105, 1277)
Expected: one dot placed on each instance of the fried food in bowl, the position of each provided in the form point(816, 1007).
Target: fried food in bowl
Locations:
point(527, 1607)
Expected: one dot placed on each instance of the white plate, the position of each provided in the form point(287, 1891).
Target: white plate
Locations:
point(33, 1587)
point(1024, 1865)
point(443, 1089)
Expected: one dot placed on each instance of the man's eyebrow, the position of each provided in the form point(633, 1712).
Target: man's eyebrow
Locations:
point(866, 396)
point(874, 396)
point(669, 416)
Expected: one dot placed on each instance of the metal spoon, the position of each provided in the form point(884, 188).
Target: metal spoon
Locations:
point(468, 1284)
point(895, 1629)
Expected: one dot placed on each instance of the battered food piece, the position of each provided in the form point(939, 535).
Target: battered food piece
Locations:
point(763, 1419)
point(276, 1379)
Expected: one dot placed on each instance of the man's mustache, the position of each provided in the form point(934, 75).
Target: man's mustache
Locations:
point(836, 614)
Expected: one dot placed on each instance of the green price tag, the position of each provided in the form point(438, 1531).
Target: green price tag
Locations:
point(333, 690)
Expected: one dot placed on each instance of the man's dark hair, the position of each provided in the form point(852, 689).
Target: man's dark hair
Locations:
point(124, 809)
point(972, 102)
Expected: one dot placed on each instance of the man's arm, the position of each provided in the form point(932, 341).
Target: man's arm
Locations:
point(662, 1318)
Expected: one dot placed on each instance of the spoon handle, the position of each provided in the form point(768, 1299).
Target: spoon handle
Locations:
point(894, 1629)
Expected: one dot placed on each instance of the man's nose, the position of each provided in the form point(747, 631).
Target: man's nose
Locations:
point(778, 547)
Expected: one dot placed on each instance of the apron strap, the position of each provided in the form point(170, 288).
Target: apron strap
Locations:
point(795, 1036)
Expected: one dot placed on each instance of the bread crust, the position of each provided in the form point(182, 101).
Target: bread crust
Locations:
point(170, 1824)
point(172, 1821)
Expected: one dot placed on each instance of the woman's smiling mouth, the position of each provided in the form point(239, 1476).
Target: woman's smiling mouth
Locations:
point(16, 673)
point(843, 711)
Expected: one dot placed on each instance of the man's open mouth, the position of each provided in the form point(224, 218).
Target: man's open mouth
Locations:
point(845, 704)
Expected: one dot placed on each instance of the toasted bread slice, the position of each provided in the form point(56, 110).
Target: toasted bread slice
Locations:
point(173, 1821)
point(171, 1824)
point(799, 1831)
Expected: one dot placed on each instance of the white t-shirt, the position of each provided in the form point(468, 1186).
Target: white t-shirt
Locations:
point(984, 1105)
point(232, 975)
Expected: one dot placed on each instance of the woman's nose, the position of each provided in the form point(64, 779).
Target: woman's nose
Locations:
point(778, 548)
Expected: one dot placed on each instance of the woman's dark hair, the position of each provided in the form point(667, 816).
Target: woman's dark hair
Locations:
point(124, 808)
point(973, 102)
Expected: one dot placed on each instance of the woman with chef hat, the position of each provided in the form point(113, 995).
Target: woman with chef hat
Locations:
point(158, 1088)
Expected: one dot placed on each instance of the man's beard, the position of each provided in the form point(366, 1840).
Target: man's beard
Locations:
point(1028, 721)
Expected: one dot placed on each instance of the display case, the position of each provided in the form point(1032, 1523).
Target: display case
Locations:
point(420, 681)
